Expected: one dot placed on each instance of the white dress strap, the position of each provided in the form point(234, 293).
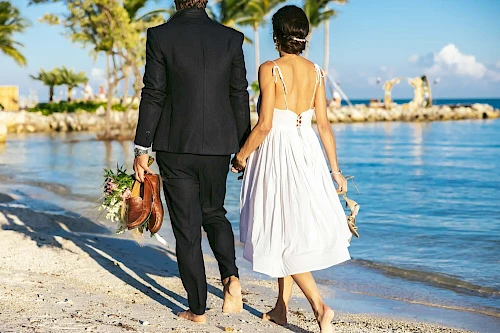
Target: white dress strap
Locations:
point(320, 74)
point(276, 73)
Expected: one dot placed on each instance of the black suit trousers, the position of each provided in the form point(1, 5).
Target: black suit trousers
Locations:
point(195, 189)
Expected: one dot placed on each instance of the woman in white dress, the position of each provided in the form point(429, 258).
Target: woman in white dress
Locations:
point(292, 221)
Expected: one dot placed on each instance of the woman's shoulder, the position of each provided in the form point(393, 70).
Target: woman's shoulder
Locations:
point(268, 64)
point(267, 67)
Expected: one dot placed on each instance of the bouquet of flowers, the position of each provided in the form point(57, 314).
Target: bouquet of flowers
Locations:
point(117, 188)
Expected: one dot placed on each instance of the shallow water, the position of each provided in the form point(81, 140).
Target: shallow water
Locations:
point(429, 219)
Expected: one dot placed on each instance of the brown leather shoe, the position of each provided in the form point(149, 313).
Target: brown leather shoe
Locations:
point(140, 204)
point(156, 218)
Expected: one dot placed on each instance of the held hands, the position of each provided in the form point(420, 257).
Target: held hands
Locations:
point(341, 182)
point(239, 165)
point(141, 166)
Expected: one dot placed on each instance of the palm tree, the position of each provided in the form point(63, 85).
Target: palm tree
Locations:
point(133, 7)
point(326, 59)
point(253, 13)
point(50, 79)
point(11, 22)
point(71, 79)
point(317, 13)
point(229, 12)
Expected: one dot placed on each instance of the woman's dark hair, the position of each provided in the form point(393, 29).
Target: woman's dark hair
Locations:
point(290, 29)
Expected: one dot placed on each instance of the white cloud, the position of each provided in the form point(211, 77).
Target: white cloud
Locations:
point(383, 68)
point(450, 61)
point(498, 64)
point(414, 58)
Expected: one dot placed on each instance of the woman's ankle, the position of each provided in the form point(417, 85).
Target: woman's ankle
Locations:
point(319, 309)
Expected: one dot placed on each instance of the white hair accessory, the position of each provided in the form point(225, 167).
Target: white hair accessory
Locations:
point(303, 40)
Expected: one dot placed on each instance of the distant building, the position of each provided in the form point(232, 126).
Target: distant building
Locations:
point(9, 98)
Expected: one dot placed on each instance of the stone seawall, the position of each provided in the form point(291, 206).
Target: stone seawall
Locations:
point(31, 122)
point(23, 121)
point(363, 113)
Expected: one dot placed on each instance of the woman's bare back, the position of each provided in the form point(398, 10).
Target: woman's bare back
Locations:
point(300, 78)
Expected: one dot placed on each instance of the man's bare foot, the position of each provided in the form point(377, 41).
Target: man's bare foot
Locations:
point(188, 315)
point(233, 302)
point(325, 318)
point(276, 315)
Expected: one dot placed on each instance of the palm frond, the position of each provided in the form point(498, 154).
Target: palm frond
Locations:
point(11, 22)
point(14, 53)
point(145, 17)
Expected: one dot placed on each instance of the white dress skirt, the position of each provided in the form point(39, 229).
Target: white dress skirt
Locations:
point(291, 220)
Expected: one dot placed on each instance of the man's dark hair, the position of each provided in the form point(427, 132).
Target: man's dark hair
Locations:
point(183, 4)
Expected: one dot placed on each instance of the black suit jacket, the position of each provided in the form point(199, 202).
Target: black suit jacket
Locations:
point(195, 97)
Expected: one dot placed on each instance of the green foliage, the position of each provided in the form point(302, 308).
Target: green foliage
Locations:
point(60, 76)
point(113, 28)
point(255, 87)
point(11, 22)
point(49, 78)
point(121, 178)
point(316, 13)
point(229, 12)
point(251, 12)
point(70, 107)
point(71, 79)
point(133, 7)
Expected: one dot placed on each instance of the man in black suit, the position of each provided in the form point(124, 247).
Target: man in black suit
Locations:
point(195, 113)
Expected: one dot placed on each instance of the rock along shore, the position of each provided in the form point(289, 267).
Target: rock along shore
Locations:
point(23, 121)
point(364, 113)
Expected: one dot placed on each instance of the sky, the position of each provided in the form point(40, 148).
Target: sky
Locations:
point(455, 41)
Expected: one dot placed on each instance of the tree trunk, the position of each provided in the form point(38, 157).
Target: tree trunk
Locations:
point(126, 78)
point(109, 104)
point(256, 48)
point(133, 72)
point(70, 91)
point(51, 94)
point(326, 60)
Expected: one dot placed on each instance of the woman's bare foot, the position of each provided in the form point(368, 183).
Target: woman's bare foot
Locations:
point(233, 302)
point(325, 317)
point(188, 315)
point(276, 315)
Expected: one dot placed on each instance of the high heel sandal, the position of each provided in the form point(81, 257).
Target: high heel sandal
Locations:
point(354, 208)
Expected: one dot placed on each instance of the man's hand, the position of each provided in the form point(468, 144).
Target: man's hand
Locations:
point(141, 166)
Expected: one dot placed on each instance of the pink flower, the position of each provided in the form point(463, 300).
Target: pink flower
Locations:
point(126, 194)
point(110, 187)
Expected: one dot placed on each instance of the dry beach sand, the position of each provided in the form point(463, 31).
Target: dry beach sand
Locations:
point(62, 274)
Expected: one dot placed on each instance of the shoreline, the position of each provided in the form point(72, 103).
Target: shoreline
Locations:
point(77, 273)
point(79, 121)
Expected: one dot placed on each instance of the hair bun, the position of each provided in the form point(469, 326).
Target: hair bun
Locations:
point(290, 29)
